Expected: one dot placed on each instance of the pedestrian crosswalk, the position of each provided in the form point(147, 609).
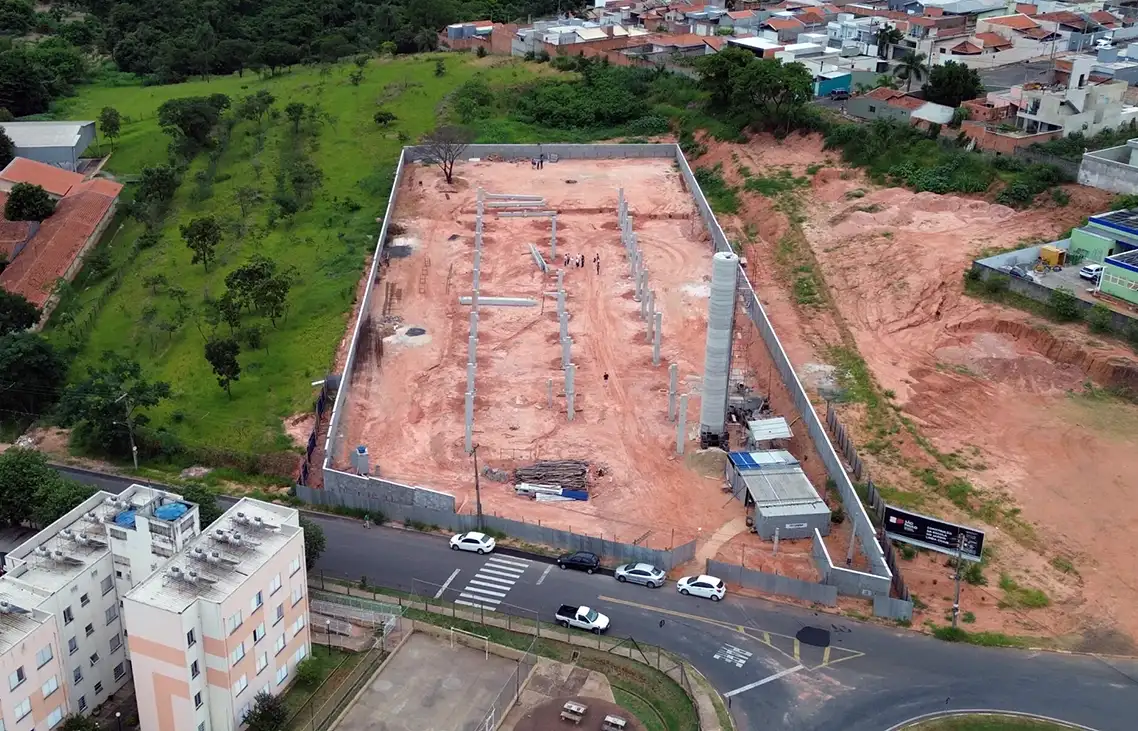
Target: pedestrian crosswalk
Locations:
point(492, 582)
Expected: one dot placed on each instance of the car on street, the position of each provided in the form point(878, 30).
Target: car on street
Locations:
point(704, 586)
point(641, 573)
point(840, 95)
point(582, 618)
point(1091, 272)
point(473, 541)
point(580, 560)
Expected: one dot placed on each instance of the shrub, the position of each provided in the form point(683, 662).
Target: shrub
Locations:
point(837, 515)
point(1099, 318)
point(1064, 305)
point(480, 52)
point(1060, 196)
point(650, 125)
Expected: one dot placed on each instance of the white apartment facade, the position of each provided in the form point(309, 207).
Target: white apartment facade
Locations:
point(74, 574)
point(223, 621)
point(33, 693)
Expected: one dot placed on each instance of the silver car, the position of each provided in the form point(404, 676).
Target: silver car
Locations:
point(641, 573)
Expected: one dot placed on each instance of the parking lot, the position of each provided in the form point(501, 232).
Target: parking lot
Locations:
point(1068, 278)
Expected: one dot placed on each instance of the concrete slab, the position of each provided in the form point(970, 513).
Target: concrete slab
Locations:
point(427, 686)
point(1069, 278)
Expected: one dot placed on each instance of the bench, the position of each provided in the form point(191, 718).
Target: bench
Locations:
point(613, 723)
point(573, 711)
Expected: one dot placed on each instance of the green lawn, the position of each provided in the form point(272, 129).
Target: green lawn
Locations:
point(987, 723)
point(327, 243)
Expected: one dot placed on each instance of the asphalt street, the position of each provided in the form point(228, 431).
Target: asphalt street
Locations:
point(832, 672)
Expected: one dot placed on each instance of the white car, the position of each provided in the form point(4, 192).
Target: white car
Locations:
point(1091, 272)
point(478, 542)
point(707, 587)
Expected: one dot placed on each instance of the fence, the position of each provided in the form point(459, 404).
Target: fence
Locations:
point(1070, 168)
point(773, 583)
point(337, 691)
point(848, 581)
point(844, 443)
point(306, 460)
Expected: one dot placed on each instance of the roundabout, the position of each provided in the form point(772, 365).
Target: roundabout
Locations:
point(980, 720)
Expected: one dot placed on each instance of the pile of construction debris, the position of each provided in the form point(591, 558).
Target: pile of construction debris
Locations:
point(553, 481)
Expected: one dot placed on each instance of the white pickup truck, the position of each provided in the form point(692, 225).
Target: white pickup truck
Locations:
point(582, 618)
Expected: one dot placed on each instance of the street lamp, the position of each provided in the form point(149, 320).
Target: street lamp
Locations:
point(118, 717)
point(328, 632)
point(130, 431)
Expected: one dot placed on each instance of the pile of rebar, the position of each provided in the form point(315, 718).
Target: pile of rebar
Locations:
point(571, 474)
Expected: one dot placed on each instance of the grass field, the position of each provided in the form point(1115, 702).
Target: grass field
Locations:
point(328, 243)
point(987, 723)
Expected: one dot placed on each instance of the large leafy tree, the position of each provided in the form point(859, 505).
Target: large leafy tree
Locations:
point(208, 509)
point(314, 541)
point(16, 313)
point(32, 373)
point(28, 202)
point(952, 83)
point(193, 117)
point(757, 91)
point(110, 123)
point(887, 36)
point(32, 491)
point(7, 148)
point(202, 235)
point(269, 713)
point(221, 354)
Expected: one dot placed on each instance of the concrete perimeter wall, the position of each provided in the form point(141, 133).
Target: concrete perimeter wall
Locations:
point(572, 152)
point(773, 583)
point(1109, 169)
point(847, 581)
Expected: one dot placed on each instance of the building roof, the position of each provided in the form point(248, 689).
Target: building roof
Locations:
point(756, 43)
point(765, 429)
point(965, 7)
point(1027, 8)
point(745, 461)
point(56, 181)
point(783, 23)
point(715, 42)
point(1016, 22)
point(934, 113)
point(1064, 17)
point(923, 21)
point(883, 93)
point(1037, 34)
point(237, 557)
point(19, 618)
point(993, 40)
point(1102, 17)
point(779, 484)
point(811, 17)
point(681, 40)
point(740, 14)
point(44, 134)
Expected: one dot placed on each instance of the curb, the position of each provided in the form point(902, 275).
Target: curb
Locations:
point(987, 712)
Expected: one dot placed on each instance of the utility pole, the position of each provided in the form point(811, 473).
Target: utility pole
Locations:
point(959, 561)
point(130, 427)
point(477, 487)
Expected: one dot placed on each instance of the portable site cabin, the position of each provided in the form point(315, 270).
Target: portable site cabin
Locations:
point(782, 497)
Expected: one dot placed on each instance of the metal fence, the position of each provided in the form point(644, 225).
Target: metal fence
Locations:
point(320, 406)
point(774, 584)
point(337, 691)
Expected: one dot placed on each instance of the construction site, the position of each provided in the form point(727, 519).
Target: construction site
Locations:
point(551, 326)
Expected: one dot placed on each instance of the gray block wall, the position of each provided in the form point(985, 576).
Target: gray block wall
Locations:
point(773, 583)
point(802, 525)
point(1109, 169)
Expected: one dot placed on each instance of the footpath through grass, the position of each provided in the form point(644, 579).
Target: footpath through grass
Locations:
point(327, 242)
point(986, 722)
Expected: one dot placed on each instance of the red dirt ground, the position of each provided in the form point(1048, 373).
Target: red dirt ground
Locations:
point(409, 407)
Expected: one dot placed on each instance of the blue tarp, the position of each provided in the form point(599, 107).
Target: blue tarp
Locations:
point(171, 511)
point(125, 519)
point(575, 494)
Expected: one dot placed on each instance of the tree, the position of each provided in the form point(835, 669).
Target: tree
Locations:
point(254, 106)
point(269, 713)
point(887, 37)
point(221, 353)
point(23, 82)
point(105, 405)
point(22, 473)
point(440, 67)
point(158, 184)
point(110, 123)
point(444, 146)
point(202, 235)
point(912, 67)
point(233, 54)
point(16, 313)
point(387, 48)
point(28, 202)
point(383, 118)
point(295, 112)
point(54, 498)
point(208, 509)
point(32, 373)
point(192, 118)
point(308, 672)
point(952, 83)
point(246, 197)
point(154, 281)
point(314, 541)
point(245, 281)
point(77, 722)
point(7, 148)
point(1064, 304)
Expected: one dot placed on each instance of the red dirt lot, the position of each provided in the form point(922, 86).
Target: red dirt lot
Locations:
point(408, 407)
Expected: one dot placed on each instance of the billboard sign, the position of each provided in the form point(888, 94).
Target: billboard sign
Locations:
point(935, 535)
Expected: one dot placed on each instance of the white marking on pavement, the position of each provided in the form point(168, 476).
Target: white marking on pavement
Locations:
point(447, 584)
point(764, 681)
point(486, 599)
point(496, 572)
point(492, 583)
point(473, 604)
point(520, 564)
point(477, 590)
point(544, 574)
point(733, 655)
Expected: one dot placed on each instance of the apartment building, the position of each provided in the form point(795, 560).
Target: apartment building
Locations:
point(223, 621)
point(63, 587)
point(1075, 103)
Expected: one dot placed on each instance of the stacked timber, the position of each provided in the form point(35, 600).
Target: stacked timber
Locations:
point(571, 474)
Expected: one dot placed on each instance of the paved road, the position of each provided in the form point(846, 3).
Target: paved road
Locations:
point(870, 678)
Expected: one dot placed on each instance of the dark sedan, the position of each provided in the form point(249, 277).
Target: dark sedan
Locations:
point(581, 560)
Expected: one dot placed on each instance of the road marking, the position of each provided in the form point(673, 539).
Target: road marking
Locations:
point(490, 584)
point(496, 572)
point(544, 574)
point(446, 584)
point(522, 565)
point(478, 590)
point(764, 681)
point(797, 649)
point(767, 637)
point(473, 604)
point(826, 655)
point(486, 599)
point(733, 655)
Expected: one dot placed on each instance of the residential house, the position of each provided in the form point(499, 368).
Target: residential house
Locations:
point(783, 30)
point(1114, 169)
point(1077, 32)
point(1075, 102)
point(761, 47)
point(742, 22)
point(884, 103)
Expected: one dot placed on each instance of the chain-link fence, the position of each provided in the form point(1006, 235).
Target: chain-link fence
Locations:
point(337, 690)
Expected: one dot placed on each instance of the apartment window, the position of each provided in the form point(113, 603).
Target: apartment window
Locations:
point(191, 640)
point(279, 614)
point(293, 566)
point(298, 625)
point(233, 622)
point(262, 662)
point(55, 717)
point(197, 700)
point(23, 708)
point(84, 600)
point(120, 670)
point(107, 585)
point(297, 594)
point(259, 633)
point(89, 629)
point(238, 654)
point(43, 657)
point(282, 673)
point(258, 600)
point(82, 703)
point(50, 686)
point(16, 678)
point(194, 672)
point(77, 675)
point(72, 646)
point(116, 643)
point(240, 686)
point(94, 659)
point(279, 645)
point(301, 653)
point(275, 585)
point(98, 687)
point(201, 726)
point(872, 109)
point(120, 534)
point(112, 613)
point(68, 616)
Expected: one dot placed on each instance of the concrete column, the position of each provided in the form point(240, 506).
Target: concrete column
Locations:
point(648, 307)
point(682, 424)
point(473, 323)
point(560, 302)
point(563, 322)
point(560, 281)
point(566, 351)
point(472, 347)
point(570, 390)
point(474, 301)
point(469, 422)
point(643, 282)
point(478, 258)
point(553, 236)
point(657, 336)
point(477, 278)
point(620, 198)
point(471, 368)
point(673, 379)
point(549, 392)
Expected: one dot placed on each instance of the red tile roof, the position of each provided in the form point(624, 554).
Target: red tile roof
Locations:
point(59, 240)
point(884, 93)
point(964, 48)
point(716, 42)
point(1102, 17)
point(681, 39)
point(1017, 22)
point(921, 20)
point(1027, 8)
point(993, 40)
point(1064, 17)
point(741, 14)
point(811, 17)
point(1037, 34)
point(904, 101)
point(895, 98)
point(56, 181)
point(783, 23)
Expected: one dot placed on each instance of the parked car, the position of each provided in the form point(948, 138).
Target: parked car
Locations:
point(581, 560)
point(582, 618)
point(705, 586)
point(840, 94)
point(1091, 272)
point(473, 541)
point(641, 573)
